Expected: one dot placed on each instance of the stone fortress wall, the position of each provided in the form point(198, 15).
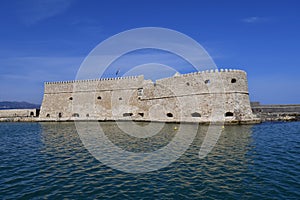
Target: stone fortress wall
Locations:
point(10, 113)
point(206, 96)
point(15, 115)
point(276, 112)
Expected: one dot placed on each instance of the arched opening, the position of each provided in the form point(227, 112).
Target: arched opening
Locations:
point(188, 84)
point(228, 114)
point(233, 80)
point(60, 115)
point(75, 115)
point(48, 115)
point(127, 114)
point(99, 97)
point(169, 115)
point(207, 81)
point(196, 114)
point(71, 98)
point(31, 114)
point(87, 115)
point(120, 98)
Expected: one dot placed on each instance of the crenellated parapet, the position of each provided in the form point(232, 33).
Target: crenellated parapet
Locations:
point(93, 84)
point(209, 81)
point(136, 77)
point(93, 80)
point(229, 80)
point(212, 71)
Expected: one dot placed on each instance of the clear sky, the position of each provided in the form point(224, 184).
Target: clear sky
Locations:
point(47, 40)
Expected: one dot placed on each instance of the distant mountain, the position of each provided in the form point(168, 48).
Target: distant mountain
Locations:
point(17, 105)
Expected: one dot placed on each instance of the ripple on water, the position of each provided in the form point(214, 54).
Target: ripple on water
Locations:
point(48, 160)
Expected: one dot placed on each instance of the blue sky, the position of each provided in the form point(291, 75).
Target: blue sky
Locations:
point(47, 40)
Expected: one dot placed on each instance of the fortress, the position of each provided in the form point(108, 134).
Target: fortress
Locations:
point(204, 97)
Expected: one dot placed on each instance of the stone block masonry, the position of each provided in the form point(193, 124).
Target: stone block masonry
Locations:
point(9, 115)
point(208, 96)
point(276, 112)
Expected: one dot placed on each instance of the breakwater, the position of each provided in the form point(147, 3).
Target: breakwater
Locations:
point(276, 112)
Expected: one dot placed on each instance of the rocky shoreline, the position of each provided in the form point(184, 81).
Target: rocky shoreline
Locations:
point(276, 112)
point(36, 119)
point(19, 119)
point(264, 118)
point(287, 117)
point(270, 117)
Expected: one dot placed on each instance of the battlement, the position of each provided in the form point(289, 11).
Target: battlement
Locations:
point(212, 71)
point(207, 72)
point(212, 78)
point(93, 80)
point(136, 77)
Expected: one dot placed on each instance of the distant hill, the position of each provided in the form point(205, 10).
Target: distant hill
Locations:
point(17, 105)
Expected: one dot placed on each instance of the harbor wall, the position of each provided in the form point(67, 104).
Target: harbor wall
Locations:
point(276, 112)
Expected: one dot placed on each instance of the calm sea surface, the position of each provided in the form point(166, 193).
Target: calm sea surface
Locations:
point(49, 161)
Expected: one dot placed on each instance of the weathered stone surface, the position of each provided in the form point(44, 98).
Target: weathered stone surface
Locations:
point(208, 94)
point(13, 113)
point(276, 112)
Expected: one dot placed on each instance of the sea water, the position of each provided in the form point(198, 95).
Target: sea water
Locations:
point(49, 161)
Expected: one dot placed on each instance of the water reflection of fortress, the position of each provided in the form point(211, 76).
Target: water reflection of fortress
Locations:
point(196, 97)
